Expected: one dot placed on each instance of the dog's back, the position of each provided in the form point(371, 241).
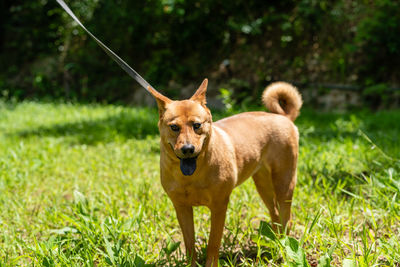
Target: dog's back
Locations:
point(274, 132)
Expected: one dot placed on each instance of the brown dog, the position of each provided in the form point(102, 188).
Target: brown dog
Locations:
point(203, 161)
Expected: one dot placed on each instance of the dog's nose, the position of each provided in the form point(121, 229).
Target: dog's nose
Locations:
point(187, 149)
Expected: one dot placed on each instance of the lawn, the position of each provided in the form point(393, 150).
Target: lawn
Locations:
point(79, 186)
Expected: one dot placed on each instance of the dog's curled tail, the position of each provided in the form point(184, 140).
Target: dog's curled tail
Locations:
point(283, 98)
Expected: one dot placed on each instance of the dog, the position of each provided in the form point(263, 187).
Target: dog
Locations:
point(202, 161)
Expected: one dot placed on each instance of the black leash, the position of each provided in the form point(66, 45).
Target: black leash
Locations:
point(109, 52)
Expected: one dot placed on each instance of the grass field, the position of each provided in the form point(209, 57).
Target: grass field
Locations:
point(79, 186)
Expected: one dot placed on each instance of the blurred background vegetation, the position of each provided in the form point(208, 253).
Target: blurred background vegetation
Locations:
point(240, 45)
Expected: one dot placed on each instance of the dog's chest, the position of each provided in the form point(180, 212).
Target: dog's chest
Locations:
point(190, 195)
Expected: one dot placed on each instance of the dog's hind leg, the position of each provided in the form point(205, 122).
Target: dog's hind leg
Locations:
point(284, 187)
point(265, 188)
point(276, 189)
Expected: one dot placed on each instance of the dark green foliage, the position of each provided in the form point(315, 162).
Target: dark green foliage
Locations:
point(177, 42)
point(378, 38)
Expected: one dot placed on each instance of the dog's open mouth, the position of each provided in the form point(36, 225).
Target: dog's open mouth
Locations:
point(188, 165)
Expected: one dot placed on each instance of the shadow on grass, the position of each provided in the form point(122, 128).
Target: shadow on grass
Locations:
point(227, 258)
point(250, 254)
point(124, 125)
point(382, 128)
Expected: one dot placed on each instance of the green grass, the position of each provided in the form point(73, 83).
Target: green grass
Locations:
point(79, 186)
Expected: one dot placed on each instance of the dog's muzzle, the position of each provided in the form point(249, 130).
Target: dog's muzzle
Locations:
point(187, 165)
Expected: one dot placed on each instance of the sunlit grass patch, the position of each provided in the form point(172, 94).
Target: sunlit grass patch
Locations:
point(79, 185)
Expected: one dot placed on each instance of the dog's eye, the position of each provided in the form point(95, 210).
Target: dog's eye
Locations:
point(196, 125)
point(174, 128)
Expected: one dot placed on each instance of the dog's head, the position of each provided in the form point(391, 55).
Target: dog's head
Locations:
point(184, 126)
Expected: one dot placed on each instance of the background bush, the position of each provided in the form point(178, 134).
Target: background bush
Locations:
point(175, 42)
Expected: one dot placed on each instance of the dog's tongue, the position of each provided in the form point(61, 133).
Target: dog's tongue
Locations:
point(188, 166)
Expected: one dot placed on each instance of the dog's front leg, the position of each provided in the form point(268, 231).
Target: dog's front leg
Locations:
point(185, 218)
point(218, 214)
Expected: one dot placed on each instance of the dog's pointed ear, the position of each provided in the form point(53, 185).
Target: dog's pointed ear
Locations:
point(200, 95)
point(162, 101)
